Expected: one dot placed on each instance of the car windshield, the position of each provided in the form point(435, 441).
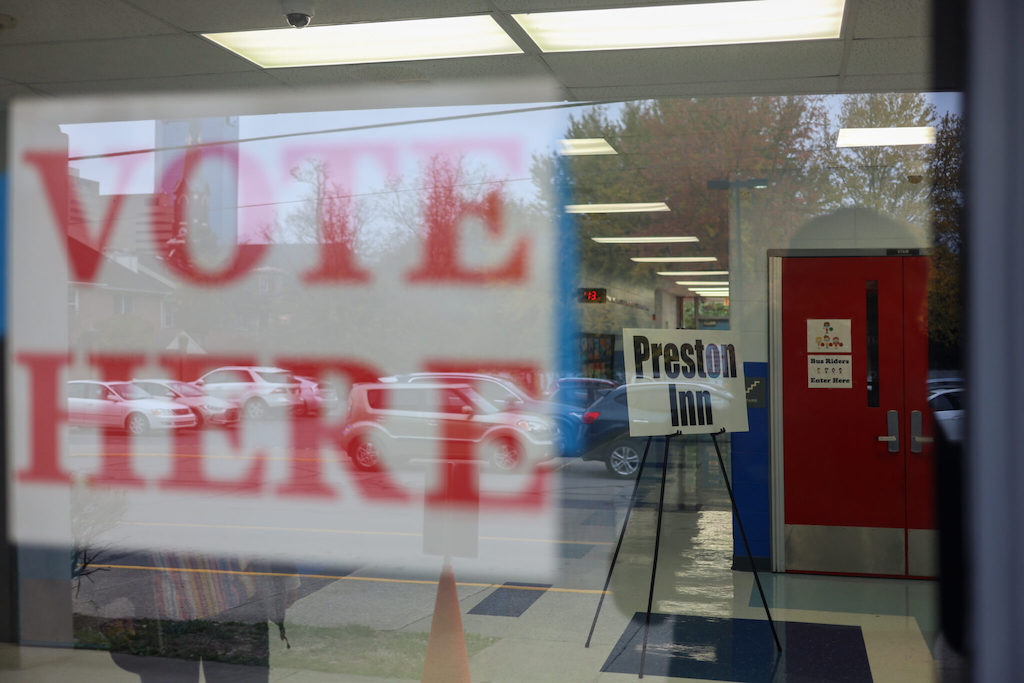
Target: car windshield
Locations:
point(277, 377)
point(185, 389)
point(154, 389)
point(129, 391)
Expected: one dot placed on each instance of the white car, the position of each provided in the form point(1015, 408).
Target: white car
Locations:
point(947, 408)
point(122, 405)
point(258, 391)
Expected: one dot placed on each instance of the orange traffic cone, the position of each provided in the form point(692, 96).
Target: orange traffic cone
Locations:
point(447, 660)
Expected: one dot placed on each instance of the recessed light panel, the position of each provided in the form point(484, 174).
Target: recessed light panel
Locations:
point(673, 259)
point(584, 147)
point(644, 240)
point(716, 23)
point(692, 273)
point(635, 207)
point(388, 41)
point(702, 283)
point(883, 137)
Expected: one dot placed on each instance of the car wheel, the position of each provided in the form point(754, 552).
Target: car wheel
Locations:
point(505, 454)
point(366, 454)
point(199, 418)
point(623, 460)
point(136, 424)
point(255, 409)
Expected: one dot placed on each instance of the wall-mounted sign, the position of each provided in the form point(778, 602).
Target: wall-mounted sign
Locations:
point(829, 353)
point(828, 336)
point(683, 381)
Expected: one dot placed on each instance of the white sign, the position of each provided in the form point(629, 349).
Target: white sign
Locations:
point(829, 371)
point(683, 382)
point(344, 236)
point(829, 353)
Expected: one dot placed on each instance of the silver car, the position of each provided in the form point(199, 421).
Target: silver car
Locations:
point(122, 405)
point(258, 391)
point(207, 409)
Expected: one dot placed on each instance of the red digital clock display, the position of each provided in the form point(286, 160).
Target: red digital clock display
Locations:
point(593, 295)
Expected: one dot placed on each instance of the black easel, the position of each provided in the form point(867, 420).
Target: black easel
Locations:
point(657, 543)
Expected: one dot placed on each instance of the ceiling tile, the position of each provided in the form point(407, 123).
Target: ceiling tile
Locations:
point(436, 69)
point(802, 86)
point(100, 60)
point(212, 82)
point(57, 20)
point(892, 18)
point(889, 56)
point(726, 63)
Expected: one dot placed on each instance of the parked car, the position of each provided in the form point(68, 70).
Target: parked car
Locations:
point(258, 391)
point(578, 391)
point(948, 411)
point(604, 429)
point(318, 398)
point(945, 382)
point(506, 396)
point(122, 405)
point(207, 409)
point(393, 423)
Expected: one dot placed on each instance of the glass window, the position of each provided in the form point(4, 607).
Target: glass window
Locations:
point(432, 247)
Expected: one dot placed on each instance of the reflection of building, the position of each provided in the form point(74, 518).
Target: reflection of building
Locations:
point(216, 174)
point(130, 307)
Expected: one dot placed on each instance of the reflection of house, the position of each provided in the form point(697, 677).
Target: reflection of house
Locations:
point(128, 306)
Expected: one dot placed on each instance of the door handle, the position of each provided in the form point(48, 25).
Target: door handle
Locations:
point(915, 433)
point(892, 422)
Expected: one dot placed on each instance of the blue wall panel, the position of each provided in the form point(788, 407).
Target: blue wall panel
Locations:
point(751, 472)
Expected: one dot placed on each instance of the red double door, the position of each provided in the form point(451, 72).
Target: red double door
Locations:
point(857, 453)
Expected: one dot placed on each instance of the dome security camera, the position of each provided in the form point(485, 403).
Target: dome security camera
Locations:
point(298, 13)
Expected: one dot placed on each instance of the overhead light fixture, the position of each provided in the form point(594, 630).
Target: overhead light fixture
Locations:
point(673, 259)
point(584, 147)
point(644, 240)
point(385, 41)
point(704, 283)
point(709, 292)
point(635, 207)
point(884, 137)
point(715, 23)
point(692, 273)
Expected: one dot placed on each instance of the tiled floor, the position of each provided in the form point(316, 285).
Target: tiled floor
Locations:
point(708, 621)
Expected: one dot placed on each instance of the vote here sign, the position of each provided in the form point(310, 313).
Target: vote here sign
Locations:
point(249, 240)
point(683, 381)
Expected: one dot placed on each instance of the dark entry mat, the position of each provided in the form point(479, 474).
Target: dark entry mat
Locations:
point(741, 650)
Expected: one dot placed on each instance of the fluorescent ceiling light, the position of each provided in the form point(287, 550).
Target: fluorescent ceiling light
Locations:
point(644, 240)
point(584, 147)
point(387, 41)
point(692, 273)
point(635, 207)
point(717, 23)
point(710, 292)
point(880, 137)
point(706, 283)
point(673, 259)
